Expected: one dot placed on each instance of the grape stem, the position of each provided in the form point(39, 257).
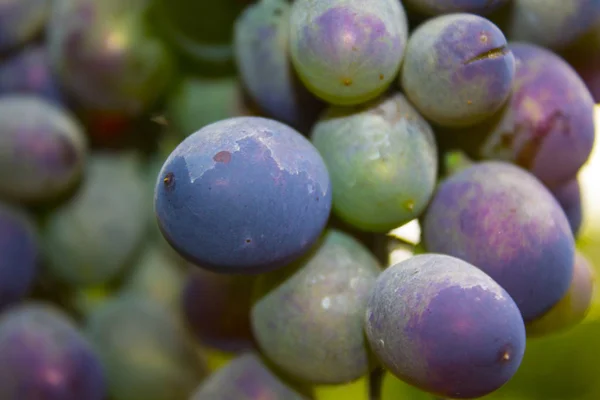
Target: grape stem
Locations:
point(376, 383)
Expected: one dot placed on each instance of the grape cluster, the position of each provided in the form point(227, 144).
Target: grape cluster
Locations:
point(269, 199)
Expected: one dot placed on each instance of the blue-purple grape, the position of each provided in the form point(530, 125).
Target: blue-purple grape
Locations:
point(216, 308)
point(43, 356)
point(261, 45)
point(44, 149)
point(501, 219)
point(19, 254)
point(457, 69)
point(569, 198)
point(29, 71)
point(444, 326)
point(243, 195)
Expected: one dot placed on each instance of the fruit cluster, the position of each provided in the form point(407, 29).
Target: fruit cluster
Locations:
point(182, 177)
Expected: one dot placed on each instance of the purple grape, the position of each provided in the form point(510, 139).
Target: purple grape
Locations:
point(573, 307)
point(246, 378)
point(548, 125)
point(21, 20)
point(347, 51)
point(44, 149)
point(551, 23)
point(382, 159)
point(262, 54)
point(435, 7)
point(146, 354)
point(45, 357)
point(243, 195)
point(216, 307)
point(105, 57)
point(501, 219)
point(444, 326)
point(457, 69)
point(309, 318)
point(569, 198)
point(19, 254)
point(29, 72)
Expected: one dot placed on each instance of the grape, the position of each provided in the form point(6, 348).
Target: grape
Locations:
point(548, 125)
point(309, 318)
point(29, 72)
point(435, 7)
point(243, 195)
point(144, 352)
point(105, 57)
point(157, 276)
point(91, 238)
point(457, 69)
point(382, 159)
point(552, 23)
point(444, 326)
point(501, 219)
point(45, 357)
point(43, 153)
point(20, 21)
point(347, 51)
point(569, 198)
point(217, 309)
point(198, 102)
point(262, 55)
point(573, 307)
point(19, 254)
point(246, 378)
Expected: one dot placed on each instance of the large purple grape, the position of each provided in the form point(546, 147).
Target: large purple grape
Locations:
point(551, 23)
point(216, 307)
point(382, 159)
point(444, 326)
point(347, 51)
point(44, 149)
point(435, 7)
point(501, 219)
point(309, 318)
point(569, 198)
point(243, 195)
point(457, 69)
point(19, 254)
point(573, 307)
point(548, 125)
point(21, 20)
point(146, 354)
point(29, 72)
point(43, 356)
point(262, 55)
point(105, 57)
point(246, 378)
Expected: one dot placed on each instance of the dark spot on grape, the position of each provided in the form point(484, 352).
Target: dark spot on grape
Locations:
point(169, 181)
point(248, 240)
point(347, 81)
point(317, 198)
point(222, 157)
point(277, 12)
point(381, 77)
point(68, 155)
